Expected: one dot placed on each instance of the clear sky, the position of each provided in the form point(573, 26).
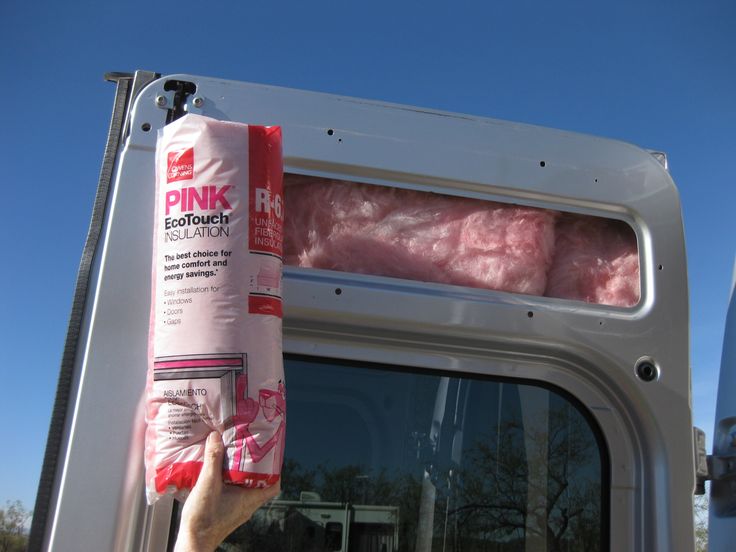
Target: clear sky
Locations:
point(660, 75)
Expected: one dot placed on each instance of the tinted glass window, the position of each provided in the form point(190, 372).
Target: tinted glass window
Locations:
point(380, 459)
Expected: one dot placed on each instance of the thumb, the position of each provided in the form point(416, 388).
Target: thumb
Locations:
point(214, 451)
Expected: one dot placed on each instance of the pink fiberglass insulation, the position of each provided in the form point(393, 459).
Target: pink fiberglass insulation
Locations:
point(596, 260)
point(352, 227)
point(384, 231)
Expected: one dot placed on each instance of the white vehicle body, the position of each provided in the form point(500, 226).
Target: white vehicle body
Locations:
point(530, 351)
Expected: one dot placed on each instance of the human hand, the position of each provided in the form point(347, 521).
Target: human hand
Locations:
point(213, 510)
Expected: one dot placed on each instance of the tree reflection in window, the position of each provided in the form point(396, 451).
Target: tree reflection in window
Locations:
point(380, 459)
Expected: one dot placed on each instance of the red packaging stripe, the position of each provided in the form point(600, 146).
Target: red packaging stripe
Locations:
point(265, 194)
point(182, 475)
point(258, 304)
point(212, 362)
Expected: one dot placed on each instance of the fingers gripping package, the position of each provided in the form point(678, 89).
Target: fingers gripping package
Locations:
point(215, 336)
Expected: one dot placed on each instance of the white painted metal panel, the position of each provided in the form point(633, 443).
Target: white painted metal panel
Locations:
point(589, 350)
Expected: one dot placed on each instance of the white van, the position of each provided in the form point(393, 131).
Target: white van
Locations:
point(423, 415)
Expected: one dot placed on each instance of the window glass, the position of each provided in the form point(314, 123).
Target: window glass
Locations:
point(380, 459)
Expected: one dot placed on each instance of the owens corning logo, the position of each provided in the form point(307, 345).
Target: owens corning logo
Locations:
point(180, 165)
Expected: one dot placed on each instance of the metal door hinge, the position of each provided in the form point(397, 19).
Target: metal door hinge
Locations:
point(721, 467)
point(174, 97)
point(710, 467)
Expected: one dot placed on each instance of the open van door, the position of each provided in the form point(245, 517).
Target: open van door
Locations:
point(445, 414)
point(722, 464)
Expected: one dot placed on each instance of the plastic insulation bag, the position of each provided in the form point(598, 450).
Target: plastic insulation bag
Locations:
point(215, 334)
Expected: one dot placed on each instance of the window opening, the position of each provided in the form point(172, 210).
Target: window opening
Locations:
point(379, 230)
point(384, 459)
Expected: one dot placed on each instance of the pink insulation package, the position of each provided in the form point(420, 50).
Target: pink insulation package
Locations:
point(215, 355)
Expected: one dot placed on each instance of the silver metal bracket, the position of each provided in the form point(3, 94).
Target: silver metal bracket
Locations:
point(661, 158)
point(195, 104)
point(178, 98)
point(710, 467)
point(165, 99)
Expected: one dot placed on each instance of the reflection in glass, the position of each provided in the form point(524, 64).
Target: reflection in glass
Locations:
point(384, 460)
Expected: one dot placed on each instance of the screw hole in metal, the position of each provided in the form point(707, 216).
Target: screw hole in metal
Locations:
point(338, 291)
point(646, 371)
point(542, 163)
point(659, 267)
point(530, 314)
point(145, 127)
point(330, 132)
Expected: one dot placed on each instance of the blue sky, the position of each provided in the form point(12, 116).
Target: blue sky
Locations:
point(661, 75)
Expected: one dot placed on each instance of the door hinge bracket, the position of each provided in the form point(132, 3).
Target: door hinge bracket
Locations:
point(174, 97)
point(710, 467)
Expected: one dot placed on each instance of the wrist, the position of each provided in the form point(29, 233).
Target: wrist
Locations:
point(189, 541)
